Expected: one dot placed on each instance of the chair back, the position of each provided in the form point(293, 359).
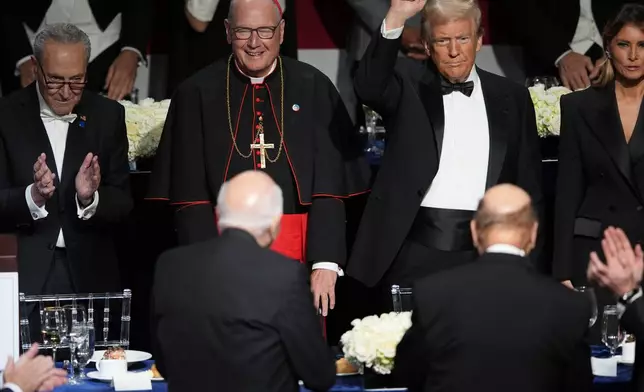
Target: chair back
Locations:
point(401, 298)
point(102, 302)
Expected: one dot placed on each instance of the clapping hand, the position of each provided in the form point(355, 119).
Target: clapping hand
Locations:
point(43, 187)
point(401, 10)
point(624, 265)
point(88, 179)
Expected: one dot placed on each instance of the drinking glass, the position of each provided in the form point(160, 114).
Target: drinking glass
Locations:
point(612, 334)
point(82, 335)
point(76, 333)
point(53, 328)
point(547, 81)
point(592, 302)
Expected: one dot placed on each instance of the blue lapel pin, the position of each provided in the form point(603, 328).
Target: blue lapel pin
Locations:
point(81, 123)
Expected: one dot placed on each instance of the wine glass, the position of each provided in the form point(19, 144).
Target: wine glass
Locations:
point(547, 81)
point(612, 334)
point(592, 300)
point(75, 333)
point(82, 335)
point(53, 328)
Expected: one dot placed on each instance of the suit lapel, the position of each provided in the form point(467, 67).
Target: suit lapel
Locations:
point(76, 147)
point(496, 108)
point(430, 94)
point(605, 124)
point(33, 125)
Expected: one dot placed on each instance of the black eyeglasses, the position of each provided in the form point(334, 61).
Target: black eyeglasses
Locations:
point(266, 32)
point(55, 85)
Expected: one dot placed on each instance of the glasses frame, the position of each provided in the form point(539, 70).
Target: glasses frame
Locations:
point(235, 31)
point(69, 83)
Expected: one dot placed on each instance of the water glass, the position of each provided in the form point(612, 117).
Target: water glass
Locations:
point(592, 302)
point(53, 328)
point(612, 334)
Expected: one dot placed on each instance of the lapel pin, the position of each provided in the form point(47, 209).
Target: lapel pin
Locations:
point(82, 121)
point(296, 108)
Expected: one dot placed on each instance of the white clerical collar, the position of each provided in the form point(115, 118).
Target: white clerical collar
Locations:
point(505, 248)
point(260, 80)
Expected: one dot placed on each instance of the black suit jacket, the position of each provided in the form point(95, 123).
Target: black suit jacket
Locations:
point(90, 248)
point(495, 325)
point(599, 184)
point(243, 312)
point(412, 109)
point(545, 28)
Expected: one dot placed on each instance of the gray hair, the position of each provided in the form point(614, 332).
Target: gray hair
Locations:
point(255, 219)
point(64, 33)
point(234, 2)
point(448, 10)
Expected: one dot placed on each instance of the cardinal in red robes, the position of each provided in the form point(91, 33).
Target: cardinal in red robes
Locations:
point(259, 110)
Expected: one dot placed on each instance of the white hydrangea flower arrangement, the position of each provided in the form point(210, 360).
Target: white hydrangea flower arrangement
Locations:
point(373, 340)
point(144, 123)
point(546, 107)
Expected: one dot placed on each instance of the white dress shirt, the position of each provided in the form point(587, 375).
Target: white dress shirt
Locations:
point(505, 248)
point(13, 387)
point(460, 181)
point(587, 32)
point(57, 127)
point(204, 10)
point(79, 13)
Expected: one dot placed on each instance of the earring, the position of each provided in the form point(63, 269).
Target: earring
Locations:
point(607, 54)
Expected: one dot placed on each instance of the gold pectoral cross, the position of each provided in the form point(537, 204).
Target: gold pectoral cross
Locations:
point(261, 146)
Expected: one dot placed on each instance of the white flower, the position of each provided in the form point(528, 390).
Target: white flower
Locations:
point(373, 340)
point(144, 123)
point(547, 109)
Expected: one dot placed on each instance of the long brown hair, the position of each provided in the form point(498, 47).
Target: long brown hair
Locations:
point(630, 14)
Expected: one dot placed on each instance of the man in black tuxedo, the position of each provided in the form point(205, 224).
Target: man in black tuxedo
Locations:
point(453, 130)
point(32, 372)
point(561, 38)
point(459, 315)
point(119, 32)
point(242, 311)
point(61, 149)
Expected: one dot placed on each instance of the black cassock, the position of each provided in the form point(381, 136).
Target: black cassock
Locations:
point(320, 162)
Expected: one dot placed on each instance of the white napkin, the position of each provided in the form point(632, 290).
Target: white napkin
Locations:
point(132, 381)
point(605, 367)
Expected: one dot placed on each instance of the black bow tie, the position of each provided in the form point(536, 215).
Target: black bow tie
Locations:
point(465, 88)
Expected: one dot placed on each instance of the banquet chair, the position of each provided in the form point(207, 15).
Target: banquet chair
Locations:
point(104, 303)
point(401, 298)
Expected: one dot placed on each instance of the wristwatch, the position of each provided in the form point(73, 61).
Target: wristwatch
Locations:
point(631, 296)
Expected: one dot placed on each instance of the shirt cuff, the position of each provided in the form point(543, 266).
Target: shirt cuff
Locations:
point(391, 34)
point(13, 387)
point(90, 210)
point(142, 60)
point(19, 63)
point(561, 57)
point(202, 10)
point(35, 211)
point(328, 266)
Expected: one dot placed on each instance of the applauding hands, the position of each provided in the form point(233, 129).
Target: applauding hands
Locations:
point(43, 187)
point(88, 179)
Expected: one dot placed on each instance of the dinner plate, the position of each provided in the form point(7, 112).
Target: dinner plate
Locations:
point(347, 374)
point(96, 376)
point(131, 356)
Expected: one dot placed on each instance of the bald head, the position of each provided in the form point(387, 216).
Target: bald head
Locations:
point(269, 6)
point(250, 201)
point(505, 215)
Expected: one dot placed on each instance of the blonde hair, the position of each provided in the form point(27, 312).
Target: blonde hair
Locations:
point(440, 11)
point(606, 73)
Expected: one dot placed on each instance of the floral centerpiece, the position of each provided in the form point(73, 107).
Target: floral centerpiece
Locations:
point(144, 122)
point(373, 340)
point(546, 107)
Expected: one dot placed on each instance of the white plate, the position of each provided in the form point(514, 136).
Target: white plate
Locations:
point(347, 374)
point(131, 356)
point(96, 376)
